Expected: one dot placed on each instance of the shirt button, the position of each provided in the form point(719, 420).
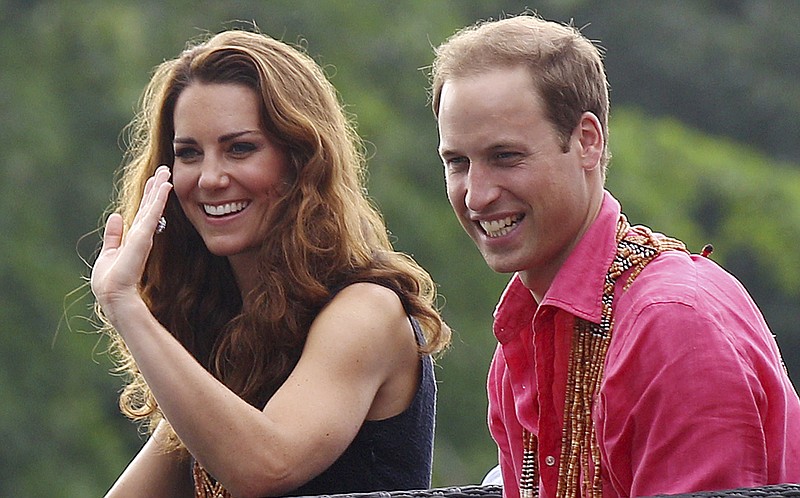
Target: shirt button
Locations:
point(550, 460)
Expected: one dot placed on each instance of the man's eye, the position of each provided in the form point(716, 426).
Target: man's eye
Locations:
point(456, 162)
point(505, 156)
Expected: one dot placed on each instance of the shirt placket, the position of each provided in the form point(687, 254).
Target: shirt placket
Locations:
point(549, 436)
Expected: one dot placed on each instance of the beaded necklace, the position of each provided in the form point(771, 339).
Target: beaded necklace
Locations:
point(205, 486)
point(579, 467)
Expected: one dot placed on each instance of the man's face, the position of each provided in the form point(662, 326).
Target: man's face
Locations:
point(522, 199)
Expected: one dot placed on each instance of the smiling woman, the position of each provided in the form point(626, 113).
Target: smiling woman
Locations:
point(227, 172)
point(274, 341)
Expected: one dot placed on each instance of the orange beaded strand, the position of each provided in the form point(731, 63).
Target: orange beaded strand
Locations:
point(205, 486)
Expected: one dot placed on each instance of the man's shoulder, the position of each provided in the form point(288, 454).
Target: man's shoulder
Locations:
point(675, 276)
point(687, 293)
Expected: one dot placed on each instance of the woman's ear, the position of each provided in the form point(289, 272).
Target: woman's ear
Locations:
point(590, 140)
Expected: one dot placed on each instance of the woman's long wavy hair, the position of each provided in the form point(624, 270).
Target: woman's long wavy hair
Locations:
point(324, 232)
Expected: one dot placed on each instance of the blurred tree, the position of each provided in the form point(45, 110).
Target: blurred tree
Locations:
point(71, 72)
point(728, 67)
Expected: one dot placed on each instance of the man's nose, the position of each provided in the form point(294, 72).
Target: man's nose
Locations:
point(482, 190)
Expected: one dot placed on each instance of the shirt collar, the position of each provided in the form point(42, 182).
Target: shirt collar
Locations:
point(578, 285)
point(514, 311)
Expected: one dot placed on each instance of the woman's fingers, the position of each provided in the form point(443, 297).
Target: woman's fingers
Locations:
point(102, 278)
point(154, 200)
point(112, 236)
point(119, 266)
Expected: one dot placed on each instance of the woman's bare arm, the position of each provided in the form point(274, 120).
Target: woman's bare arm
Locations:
point(155, 474)
point(360, 361)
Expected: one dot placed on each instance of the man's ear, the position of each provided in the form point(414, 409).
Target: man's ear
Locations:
point(590, 140)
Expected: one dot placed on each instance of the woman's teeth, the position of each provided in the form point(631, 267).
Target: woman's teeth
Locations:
point(223, 209)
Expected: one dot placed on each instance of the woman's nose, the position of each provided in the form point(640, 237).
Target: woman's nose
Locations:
point(213, 175)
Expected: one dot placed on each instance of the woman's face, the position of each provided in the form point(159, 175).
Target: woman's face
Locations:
point(227, 171)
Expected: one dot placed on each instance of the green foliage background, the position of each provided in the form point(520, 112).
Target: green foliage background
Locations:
point(704, 133)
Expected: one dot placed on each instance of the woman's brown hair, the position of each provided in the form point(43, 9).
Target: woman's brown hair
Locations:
point(324, 231)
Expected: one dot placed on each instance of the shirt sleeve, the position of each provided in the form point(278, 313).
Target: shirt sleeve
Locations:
point(680, 408)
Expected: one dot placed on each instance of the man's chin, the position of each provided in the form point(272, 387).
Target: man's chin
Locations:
point(500, 266)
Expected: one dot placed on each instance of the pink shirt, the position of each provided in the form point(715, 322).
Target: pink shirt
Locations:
point(694, 397)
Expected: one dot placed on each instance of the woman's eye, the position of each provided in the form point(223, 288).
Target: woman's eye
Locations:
point(186, 154)
point(242, 148)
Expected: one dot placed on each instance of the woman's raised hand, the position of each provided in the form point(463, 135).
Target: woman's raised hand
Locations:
point(119, 267)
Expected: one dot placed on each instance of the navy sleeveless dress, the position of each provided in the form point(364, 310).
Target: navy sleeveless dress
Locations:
point(390, 454)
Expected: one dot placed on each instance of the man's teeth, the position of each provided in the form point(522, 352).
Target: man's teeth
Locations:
point(498, 228)
point(223, 209)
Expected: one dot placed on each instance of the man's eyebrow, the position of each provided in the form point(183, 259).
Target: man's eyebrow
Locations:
point(446, 152)
point(505, 144)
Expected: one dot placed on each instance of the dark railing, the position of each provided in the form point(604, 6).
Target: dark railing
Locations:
point(773, 491)
point(471, 491)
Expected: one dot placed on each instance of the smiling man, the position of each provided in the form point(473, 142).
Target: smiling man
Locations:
point(625, 366)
